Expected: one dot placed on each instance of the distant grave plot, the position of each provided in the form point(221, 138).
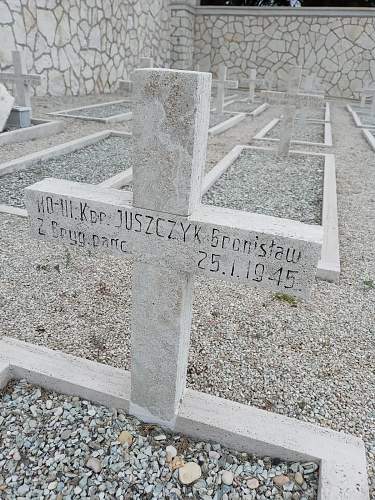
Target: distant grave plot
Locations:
point(38, 129)
point(315, 115)
point(301, 187)
point(220, 122)
point(306, 133)
point(92, 159)
point(109, 112)
point(362, 117)
point(253, 183)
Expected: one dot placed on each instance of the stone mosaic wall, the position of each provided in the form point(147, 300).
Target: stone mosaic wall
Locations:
point(340, 50)
point(182, 38)
point(82, 47)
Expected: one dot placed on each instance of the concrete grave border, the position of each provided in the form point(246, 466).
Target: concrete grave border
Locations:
point(341, 457)
point(329, 265)
point(226, 124)
point(26, 161)
point(256, 112)
point(110, 119)
point(357, 119)
point(39, 129)
point(328, 142)
point(327, 115)
point(369, 136)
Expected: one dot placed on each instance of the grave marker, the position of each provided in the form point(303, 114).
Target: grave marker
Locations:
point(146, 62)
point(170, 235)
point(368, 91)
point(21, 80)
point(292, 100)
point(221, 84)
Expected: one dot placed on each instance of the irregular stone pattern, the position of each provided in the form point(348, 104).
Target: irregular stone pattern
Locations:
point(338, 49)
point(83, 47)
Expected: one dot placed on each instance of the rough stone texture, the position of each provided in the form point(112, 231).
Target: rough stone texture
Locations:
point(6, 103)
point(84, 47)
point(337, 49)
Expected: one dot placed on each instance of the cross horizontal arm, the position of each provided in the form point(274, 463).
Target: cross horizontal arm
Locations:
point(257, 250)
point(299, 100)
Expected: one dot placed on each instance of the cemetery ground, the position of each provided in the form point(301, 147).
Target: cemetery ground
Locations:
point(312, 361)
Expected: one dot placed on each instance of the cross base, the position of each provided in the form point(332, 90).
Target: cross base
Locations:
point(239, 427)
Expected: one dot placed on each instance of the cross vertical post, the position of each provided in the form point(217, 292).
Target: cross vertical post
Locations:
point(170, 136)
point(146, 62)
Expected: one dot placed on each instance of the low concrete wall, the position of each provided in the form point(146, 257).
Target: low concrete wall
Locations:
point(336, 44)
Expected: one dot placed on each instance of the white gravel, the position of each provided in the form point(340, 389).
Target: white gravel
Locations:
point(302, 131)
point(91, 164)
point(262, 182)
point(60, 447)
point(312, 361)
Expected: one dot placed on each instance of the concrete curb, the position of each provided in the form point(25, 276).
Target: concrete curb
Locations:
point(329, 265)
point(369, 137)
point(39, 129)
point(342, 458)
point(9, 209)
point(67, 113)
point(227, 124)
point(118, 180)
point(261, 135)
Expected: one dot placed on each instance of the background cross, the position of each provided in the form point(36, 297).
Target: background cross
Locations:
point(21, 80)
point(221, 84)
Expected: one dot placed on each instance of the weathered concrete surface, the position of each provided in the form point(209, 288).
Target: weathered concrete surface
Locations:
point(6, 103)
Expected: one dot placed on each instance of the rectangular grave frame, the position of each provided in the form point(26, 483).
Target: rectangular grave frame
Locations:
point(327, 115)
point(357, 118)
point(38, 130)
point(110, 119)
point(329, 267)
point(328, 142)
point(24, 162)
point(342, 457)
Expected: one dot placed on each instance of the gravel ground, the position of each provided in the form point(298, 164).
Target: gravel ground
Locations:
point(216, 118)
point(312, 361)
point(262, 182)
point(312, 114)
point(104, 111)
point(60, 447)
point(303, 131)
point(366, 119)
point(91, 164)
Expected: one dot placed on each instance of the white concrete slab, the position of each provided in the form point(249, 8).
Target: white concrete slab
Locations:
point(343, 474)
point(39, 129)
point(369, 136)
point(227, 124)
point(6, 104)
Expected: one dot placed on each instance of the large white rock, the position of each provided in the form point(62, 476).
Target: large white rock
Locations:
point(6, 104)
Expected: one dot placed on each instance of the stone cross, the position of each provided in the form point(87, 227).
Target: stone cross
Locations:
point(21, 80)
point(312, 83)
point(221, 84)
point(291, 101)
point(252, 83)
point(171, 236)
point(368, 91)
